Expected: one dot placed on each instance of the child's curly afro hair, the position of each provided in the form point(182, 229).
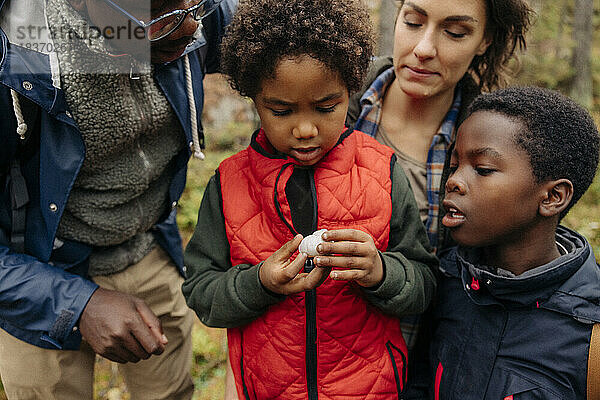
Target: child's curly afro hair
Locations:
point(336, 32)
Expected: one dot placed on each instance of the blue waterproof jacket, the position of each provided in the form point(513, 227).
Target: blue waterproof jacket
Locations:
point(520, 338)
point(44, 290)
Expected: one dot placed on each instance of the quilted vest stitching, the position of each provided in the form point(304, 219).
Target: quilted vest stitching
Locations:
point(354, 168)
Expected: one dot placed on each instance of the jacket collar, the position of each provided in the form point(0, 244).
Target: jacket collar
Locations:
point(26, 56)
point(28, 73)
point(569, 284)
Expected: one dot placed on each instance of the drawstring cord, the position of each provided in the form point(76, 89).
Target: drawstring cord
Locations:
point(21, 125)
point(196, 149)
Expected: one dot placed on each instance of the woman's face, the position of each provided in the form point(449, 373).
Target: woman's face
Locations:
point(435, 42)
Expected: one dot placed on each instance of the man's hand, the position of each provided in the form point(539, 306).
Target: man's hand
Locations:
point(121, 327)
point(355, 252)
point(281, 275)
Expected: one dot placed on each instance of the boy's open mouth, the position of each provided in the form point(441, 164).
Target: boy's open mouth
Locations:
point(453, 217)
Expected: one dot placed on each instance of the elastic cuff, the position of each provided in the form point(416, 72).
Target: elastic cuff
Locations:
point(252, 292)
point(393, 279)
point(377, 286)
point(65, 330)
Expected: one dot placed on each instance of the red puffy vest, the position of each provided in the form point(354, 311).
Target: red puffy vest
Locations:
point(356, 351)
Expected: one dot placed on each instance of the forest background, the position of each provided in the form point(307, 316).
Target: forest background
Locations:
point(563, 53)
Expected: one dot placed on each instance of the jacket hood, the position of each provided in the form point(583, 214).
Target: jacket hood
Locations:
point(569, 284)
point(24, 21)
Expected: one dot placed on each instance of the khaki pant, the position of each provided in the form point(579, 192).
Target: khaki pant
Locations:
point(30, 372)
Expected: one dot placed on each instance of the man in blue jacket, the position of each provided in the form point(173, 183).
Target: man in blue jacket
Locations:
point(100, 103)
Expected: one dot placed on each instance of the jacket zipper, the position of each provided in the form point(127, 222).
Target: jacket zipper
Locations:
point(310, 297)
point(310, 301)
point(145, 123)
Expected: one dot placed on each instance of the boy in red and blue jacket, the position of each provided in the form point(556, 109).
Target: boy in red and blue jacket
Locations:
point(519, 296)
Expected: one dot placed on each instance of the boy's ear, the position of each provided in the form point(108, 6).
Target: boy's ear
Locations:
point(557, 196)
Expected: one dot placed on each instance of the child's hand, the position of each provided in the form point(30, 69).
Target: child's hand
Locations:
point(356, 252)
point(280, 275)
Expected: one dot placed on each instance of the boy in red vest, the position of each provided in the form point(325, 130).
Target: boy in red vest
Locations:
point(328, 332)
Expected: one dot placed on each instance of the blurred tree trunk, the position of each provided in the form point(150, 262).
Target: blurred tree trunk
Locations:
point(387, 20)
point(583, 30)
point(564, 21)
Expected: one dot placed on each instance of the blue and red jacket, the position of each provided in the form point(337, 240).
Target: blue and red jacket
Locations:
point(43, 290)
point(515, 338)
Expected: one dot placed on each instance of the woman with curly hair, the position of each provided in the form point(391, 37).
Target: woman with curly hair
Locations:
point(318, 320)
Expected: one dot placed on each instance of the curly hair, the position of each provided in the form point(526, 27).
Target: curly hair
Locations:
point(507, 22)
point(337, 33)
point(560, 136)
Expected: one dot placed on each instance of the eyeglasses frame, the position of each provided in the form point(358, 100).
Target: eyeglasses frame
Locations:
point(146, 25)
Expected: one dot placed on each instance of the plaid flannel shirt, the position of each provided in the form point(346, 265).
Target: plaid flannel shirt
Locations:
point(368, 122)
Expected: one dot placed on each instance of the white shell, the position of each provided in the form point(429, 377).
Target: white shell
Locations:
point(309, 243)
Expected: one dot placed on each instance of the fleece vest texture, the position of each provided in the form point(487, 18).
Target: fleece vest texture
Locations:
point(357, 351)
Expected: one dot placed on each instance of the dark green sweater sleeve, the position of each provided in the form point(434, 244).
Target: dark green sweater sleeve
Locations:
point(222, 295)
point(409, 282)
